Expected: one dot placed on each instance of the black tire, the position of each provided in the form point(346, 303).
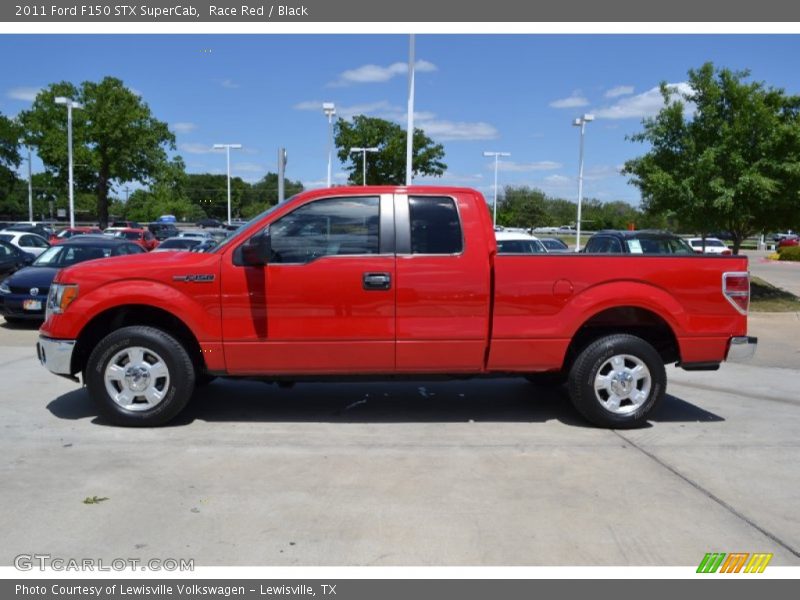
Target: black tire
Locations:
point(548, 379)
point(593, 366)
point(176, 386)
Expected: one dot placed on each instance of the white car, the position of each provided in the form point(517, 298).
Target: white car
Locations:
point(509, 242)
point(196, 235)
point(25, 241)
point(712, 246)
point(550, 229)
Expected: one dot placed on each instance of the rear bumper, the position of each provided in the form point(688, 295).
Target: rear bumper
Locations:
point(55, 355)
point(741, 349)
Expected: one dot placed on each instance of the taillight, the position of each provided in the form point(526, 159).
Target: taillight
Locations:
point(726, 253)
point(736, 289)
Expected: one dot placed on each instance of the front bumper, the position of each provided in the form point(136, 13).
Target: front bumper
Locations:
point(741, 349)
point(55, 355)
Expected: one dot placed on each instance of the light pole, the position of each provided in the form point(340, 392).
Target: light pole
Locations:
point(329, 108)
point(497, 156)
point(364, 161)
point(30, 187)
point(580, 122)
point(227, 148)
point(70, 103)
point(410, 111)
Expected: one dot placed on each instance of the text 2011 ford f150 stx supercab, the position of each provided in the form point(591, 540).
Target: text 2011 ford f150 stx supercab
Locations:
point(389, 281)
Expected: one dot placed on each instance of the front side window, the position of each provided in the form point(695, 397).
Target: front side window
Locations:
point(332, 227)
point(435, 226)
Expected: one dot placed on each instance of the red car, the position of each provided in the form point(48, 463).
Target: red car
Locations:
point(787, 242)
point(70, 232)
point(143, 237)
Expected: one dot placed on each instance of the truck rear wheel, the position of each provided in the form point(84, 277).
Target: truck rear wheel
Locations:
point(617, 381)
point(140, 376)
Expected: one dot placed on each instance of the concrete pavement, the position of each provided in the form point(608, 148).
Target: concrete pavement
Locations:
point(494, 472)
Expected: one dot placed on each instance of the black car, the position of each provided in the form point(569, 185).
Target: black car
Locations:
point(645, 241)
point(126, 224)
point(209, 223)
point(39, 230)
point(12, 258)
point(163, 231)
point(23, 295)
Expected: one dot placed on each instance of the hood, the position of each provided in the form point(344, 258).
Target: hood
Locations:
point(158, 266)
point(30, 277)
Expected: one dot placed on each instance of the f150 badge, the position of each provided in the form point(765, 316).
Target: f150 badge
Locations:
point(196, 278)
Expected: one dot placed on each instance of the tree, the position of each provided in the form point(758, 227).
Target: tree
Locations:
point(115, 137)
point(732, 165)
point(388, 165)
point(9, 158)
point(521, 206)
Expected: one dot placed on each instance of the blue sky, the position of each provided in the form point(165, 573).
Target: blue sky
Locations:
point(513, 93)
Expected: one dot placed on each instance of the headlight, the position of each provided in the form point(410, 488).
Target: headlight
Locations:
point(4, 288)
point(60, 297)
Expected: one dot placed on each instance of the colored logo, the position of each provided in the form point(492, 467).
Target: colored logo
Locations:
point(736, 562)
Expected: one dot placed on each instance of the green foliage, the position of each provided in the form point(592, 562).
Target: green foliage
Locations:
point(115, 137)
point(791, 253)
point(733, 165)
point(521, 207)
point(10, 133)
point(388, 165)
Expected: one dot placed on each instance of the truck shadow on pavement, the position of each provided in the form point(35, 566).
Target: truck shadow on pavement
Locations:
point(482, 401)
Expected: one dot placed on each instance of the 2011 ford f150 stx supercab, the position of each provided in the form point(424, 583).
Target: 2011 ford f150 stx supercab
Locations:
point(383, 282)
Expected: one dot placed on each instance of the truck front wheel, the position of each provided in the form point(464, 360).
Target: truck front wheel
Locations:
point(617, 381)
point(139, 376)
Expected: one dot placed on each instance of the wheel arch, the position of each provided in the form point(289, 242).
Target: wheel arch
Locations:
point(125, 315)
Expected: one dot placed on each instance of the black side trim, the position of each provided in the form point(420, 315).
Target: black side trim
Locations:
point(699, 366)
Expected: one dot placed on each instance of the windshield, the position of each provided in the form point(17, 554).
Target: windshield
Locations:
point(6, 237)
point(520, 247)
point(258, 217)
point(179, 243)
point(64, 256)
point(129, 235)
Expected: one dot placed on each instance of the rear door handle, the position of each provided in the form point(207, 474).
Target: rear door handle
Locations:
point(377, 281)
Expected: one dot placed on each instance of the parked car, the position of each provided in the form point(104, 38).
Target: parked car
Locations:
point(645, 241)
point(43, 231)
point(70, 232)
point(12, 258)
point(777, 237)
point(177, 244)
point(167, 219)
point(710, 246)
point(25, 241)
point(125, 224)
point(554, 245)
point(23, 295)
point(205, 245)
point(547, 229)
point(196, 234)
point(387, 281)
point(209, 223)
point(789, 241)
point(143, 237)
point(509, 242)
point(163, 231)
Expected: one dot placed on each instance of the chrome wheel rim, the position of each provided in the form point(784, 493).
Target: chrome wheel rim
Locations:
point(622, 384)
point(137, 379)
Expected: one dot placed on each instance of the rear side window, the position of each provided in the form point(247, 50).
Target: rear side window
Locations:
point(435, 226)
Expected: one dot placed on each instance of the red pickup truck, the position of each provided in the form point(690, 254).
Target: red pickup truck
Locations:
point(383, 282)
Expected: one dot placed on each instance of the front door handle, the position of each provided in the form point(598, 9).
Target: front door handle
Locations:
point(377, 281)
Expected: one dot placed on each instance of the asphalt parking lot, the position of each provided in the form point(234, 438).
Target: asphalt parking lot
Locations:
point(493, 472)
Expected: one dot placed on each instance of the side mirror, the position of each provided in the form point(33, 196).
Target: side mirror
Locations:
point(257, 250)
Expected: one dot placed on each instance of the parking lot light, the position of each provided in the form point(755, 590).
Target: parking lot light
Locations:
point(70, 104)
point(497, 156)
point(363, 161)
point(580, 122)
point(227, 148)
point(329, 109)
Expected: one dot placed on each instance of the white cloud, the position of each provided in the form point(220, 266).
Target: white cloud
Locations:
point(457, 130)
point(646, 104)
point(558, 180)
point(229, 83)
point(542, 165)
point(194, 148)
point(439, 129)
point(379, 74)
point(599, 172)
point(247, 167)
point(620, 90)
point(184, 127)
point(27, 94)
point(575, 100)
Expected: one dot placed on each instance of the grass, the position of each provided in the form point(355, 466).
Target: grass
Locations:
point(765, 297)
